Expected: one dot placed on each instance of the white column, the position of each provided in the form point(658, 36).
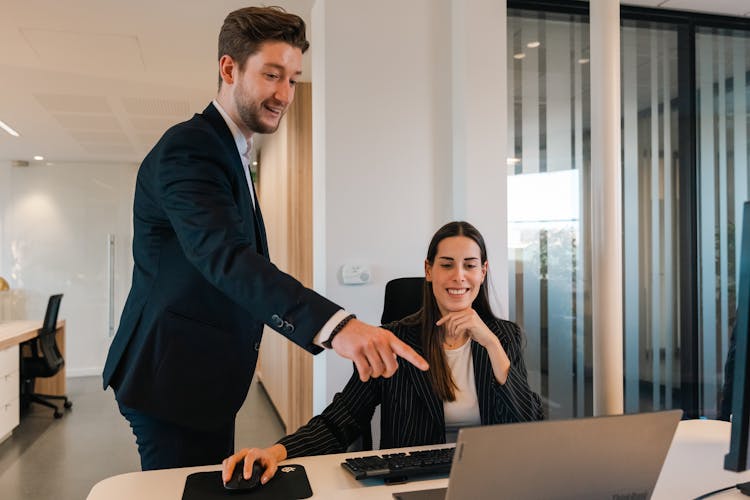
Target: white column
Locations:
point(606, 207)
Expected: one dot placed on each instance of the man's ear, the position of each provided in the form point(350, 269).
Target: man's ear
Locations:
point(226, 69)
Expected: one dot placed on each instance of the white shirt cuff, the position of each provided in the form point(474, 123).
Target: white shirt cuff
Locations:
point(325, 332)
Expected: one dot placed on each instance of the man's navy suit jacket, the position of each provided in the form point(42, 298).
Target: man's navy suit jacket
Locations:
point(203, 286)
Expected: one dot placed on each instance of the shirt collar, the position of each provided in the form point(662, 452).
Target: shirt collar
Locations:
point(243, 146)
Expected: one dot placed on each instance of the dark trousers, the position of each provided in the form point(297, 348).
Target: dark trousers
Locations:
point(163, 445)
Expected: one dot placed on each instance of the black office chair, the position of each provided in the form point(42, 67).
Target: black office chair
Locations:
point(403, 296)
point(42, 359)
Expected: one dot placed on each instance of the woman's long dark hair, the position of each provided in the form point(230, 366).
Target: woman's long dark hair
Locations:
point(429, 314)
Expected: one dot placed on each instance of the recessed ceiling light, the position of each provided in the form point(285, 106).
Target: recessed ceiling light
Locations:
point(533, 45)
point(583, 60)
point(39, 158)
point(8, 129)
point(520, 55)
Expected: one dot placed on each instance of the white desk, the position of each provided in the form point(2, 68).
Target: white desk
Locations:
point(694, 466)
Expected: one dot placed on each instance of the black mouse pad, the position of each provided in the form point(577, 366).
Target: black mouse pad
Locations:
point(289, 483)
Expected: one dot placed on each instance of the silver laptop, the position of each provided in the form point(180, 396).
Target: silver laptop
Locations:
point(599, 457)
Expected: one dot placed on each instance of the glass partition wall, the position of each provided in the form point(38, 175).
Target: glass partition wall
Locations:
point(650, 175)
point(722, 97)
point(685, 102)
point(549, 268)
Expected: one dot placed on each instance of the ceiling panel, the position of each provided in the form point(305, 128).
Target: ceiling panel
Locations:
point(155, 106)
point(82, 52)
point(74, 103)
point(88, 122)
point(107, 137)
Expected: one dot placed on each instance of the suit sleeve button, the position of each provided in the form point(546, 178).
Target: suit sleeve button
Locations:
point(276, 321)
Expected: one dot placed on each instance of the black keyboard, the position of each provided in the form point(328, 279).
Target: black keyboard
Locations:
point(399, 467)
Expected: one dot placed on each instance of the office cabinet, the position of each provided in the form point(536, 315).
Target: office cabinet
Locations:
point(9, 391)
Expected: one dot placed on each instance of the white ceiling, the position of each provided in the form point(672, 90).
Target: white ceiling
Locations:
point(100, 80)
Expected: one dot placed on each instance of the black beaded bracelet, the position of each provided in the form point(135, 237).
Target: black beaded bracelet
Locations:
point(328, 343)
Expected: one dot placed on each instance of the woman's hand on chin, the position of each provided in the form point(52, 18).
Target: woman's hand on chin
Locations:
point(467, 322)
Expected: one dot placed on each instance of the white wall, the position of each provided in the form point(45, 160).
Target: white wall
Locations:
point(54, 222)
point(409, 114)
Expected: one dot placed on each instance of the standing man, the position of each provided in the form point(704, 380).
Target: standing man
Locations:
point(203, 286)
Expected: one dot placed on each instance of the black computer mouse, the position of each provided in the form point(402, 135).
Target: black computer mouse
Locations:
point(239, 483)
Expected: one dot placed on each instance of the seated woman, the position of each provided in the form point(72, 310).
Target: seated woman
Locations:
point(477, 374)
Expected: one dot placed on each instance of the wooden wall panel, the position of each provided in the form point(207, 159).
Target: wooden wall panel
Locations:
point(285, 193)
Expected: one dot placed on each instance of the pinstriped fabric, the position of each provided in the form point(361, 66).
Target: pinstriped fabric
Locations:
point(411, 412)
point(513, 401)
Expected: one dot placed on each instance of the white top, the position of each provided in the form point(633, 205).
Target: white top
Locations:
point(464, 411)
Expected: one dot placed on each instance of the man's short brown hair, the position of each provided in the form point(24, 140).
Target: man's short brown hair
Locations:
point(245, 30)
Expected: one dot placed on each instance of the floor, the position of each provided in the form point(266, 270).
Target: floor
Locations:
point(62, 459)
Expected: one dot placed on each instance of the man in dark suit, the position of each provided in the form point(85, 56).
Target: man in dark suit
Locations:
point(203, 286)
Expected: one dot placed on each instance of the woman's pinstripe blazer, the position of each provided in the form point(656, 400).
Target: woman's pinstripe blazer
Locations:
point(411, 411)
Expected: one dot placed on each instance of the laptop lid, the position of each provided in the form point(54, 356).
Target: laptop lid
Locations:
point(599, 457)
point(614, 457)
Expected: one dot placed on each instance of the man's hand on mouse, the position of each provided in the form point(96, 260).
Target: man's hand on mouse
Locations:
point(267, 457)
point(374, 350)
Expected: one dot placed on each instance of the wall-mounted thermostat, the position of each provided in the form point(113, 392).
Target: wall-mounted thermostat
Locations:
point(355, 274)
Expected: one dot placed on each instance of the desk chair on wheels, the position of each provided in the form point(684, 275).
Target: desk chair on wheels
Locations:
point(42, 358)
point(403, 297)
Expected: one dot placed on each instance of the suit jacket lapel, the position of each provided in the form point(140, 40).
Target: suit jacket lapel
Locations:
point(217, 121)
point(483, 378)
point(212, 115)
point(421, 380)
point(260, 226)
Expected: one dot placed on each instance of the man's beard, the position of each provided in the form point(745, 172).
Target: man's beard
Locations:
point(250, 115)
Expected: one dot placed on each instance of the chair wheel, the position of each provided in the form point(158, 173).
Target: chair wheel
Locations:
point(58, 414)
point(68, 404)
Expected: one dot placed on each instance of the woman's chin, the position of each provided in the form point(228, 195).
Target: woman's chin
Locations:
point(451, 308)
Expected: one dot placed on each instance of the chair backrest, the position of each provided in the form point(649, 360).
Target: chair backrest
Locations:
point(50, 316)
point(47, 343)
point(403, 296)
